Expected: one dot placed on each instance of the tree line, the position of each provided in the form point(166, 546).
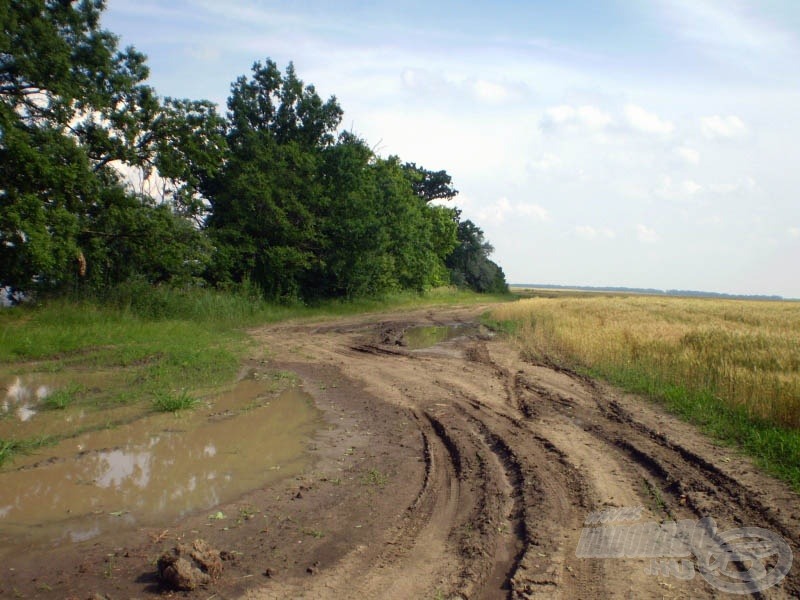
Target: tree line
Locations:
point(103, 181)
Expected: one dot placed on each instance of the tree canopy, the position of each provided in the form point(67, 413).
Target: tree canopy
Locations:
point(102, 180)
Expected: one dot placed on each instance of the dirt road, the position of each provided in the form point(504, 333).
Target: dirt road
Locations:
point(462, 471)
point(497, 465)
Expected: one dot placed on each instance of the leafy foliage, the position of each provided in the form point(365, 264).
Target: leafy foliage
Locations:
point(104, 182)
point(469, 262)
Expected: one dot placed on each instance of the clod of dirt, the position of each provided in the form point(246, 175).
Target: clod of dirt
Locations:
point(187, 568)
point(392, 337)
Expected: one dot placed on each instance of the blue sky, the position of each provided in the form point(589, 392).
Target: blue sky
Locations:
point(646, 143)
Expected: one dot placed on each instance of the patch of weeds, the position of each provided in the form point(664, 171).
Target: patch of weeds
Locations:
point(10, 448)
point(173, 402)
point(658, 500)
point(62, 398)
point(315, 533)
point(280, 380)
point(375, 478)
point(245, 514)
point(503, 326)
point(284, 376)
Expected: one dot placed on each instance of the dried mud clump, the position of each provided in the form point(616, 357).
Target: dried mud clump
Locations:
point(392, 337)
point(187, 568)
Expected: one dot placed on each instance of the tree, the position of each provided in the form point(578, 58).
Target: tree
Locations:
point(266, 202)
point(430, 185)
point(72, 105)
point(469, 262)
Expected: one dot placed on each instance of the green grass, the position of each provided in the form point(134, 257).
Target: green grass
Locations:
point(11, 448)
point(173, 402)
point(776, 449)
point(375, 478)
point(62, 398)
point(147, 341)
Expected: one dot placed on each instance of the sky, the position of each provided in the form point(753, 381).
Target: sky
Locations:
point(639, 143)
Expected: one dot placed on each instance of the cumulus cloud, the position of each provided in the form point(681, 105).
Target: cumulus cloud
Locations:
point(690, 155)
point(588, 232)
point(503, 208)
point(646, 235)
point(647, 122)
point(718, 127)
point(575, 117)
point(491, 91)
point(677, 190)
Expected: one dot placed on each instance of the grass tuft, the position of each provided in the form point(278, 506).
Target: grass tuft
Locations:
point(173, 402)
point(11, 448)
point(62, 398)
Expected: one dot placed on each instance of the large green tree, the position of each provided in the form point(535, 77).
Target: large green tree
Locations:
point(72, 106)
point(304, 213)
point(265, 203)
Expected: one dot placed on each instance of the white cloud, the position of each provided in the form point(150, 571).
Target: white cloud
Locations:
point(588, 232)
point(646, 234)
point(717, 127)
point(532, 210)
point(794, 232)
point(572, 117)
point(691, 187)
point(490, 91)
point(690, 155)
point(677, 190)
point(503, 208)
point(546, 162)
point(593, 117)
point(647, 122)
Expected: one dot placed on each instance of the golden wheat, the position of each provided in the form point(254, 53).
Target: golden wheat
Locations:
point(745, 353)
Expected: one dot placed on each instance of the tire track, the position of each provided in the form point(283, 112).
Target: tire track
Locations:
point(515, 457)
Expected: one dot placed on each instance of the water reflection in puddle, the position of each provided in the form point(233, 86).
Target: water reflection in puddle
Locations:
point(158, 468)
point(418, 338)
point(22, 397)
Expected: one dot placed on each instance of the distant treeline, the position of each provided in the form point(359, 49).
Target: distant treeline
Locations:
point(104, 182)
point(647, 291)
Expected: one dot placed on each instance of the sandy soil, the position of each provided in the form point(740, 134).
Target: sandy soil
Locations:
point(456, 471)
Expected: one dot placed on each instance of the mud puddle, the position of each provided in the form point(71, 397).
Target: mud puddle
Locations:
point(156, 468)
point(417, 338)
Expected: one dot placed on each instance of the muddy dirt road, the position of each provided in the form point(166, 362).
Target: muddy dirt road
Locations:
point(460, 470)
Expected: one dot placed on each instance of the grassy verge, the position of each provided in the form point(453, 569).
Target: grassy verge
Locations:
point(730, 367)
point(160, 348)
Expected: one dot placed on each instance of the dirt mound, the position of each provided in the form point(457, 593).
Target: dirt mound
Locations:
point(187, 568)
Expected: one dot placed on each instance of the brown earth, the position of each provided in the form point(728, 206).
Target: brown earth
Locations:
point(456, 471)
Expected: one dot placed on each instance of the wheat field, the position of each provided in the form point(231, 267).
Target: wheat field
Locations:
point(744, 353)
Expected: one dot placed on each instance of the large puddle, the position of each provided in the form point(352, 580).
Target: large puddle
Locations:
point(152, 470)
point(417, 338)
